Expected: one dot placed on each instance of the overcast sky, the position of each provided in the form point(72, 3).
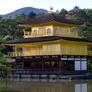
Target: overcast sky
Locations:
point(7, 6)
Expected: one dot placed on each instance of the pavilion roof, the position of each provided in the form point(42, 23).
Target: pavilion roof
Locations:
point(44, 39)
point(48, 18)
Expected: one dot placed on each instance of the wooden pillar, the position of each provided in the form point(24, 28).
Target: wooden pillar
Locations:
point(59, 66)
point(22, 64)
point(50, 65)
point(42, 60)
point(15, 49)
point(57, 61)
point(30, 64)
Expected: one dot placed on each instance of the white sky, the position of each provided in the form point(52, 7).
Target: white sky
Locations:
point(7, 6)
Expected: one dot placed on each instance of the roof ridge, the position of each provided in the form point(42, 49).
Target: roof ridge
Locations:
point(54, 16)
point(40, 39)
point(50, 17)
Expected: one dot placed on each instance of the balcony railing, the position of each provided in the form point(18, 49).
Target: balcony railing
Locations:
point(14, 54)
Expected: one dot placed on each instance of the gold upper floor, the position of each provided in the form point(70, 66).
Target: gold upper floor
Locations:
point(51, 31)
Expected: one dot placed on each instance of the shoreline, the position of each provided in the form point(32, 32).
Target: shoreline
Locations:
point(48, 77)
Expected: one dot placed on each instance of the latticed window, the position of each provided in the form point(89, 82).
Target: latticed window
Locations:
point(48, 31)
point(41, 31)
point(30, 33)
point(34, 32)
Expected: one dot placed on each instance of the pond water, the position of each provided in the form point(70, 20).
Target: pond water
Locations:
point(41, 86)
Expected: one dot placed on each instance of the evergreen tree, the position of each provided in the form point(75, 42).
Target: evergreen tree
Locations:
point(31, 15)
point(63, 12)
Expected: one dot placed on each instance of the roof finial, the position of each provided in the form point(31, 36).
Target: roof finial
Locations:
point(51, 10)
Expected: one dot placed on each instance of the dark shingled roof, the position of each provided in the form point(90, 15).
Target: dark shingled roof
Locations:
point(50, 17)
point(43, 39)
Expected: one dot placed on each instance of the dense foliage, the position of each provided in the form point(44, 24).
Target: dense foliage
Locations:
point(3, 68)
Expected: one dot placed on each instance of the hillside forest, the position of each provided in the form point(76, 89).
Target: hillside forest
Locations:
point(9, 29)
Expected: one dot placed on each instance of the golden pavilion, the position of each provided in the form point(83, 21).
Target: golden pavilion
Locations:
point(51, 46)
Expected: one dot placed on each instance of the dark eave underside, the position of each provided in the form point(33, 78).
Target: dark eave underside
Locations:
point(43, 39)
point(48, 18)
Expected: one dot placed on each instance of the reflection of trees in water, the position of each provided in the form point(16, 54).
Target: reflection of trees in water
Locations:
point(90, 86)
point(3, 84)
point(64, 86)
point(6, 86)
point(9, 91)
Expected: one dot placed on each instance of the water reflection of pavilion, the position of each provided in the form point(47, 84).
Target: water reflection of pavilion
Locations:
point(46, 87)
point(81, 87)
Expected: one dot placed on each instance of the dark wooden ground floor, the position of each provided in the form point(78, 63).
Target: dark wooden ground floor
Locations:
point(55, 64)
point(46, 65)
